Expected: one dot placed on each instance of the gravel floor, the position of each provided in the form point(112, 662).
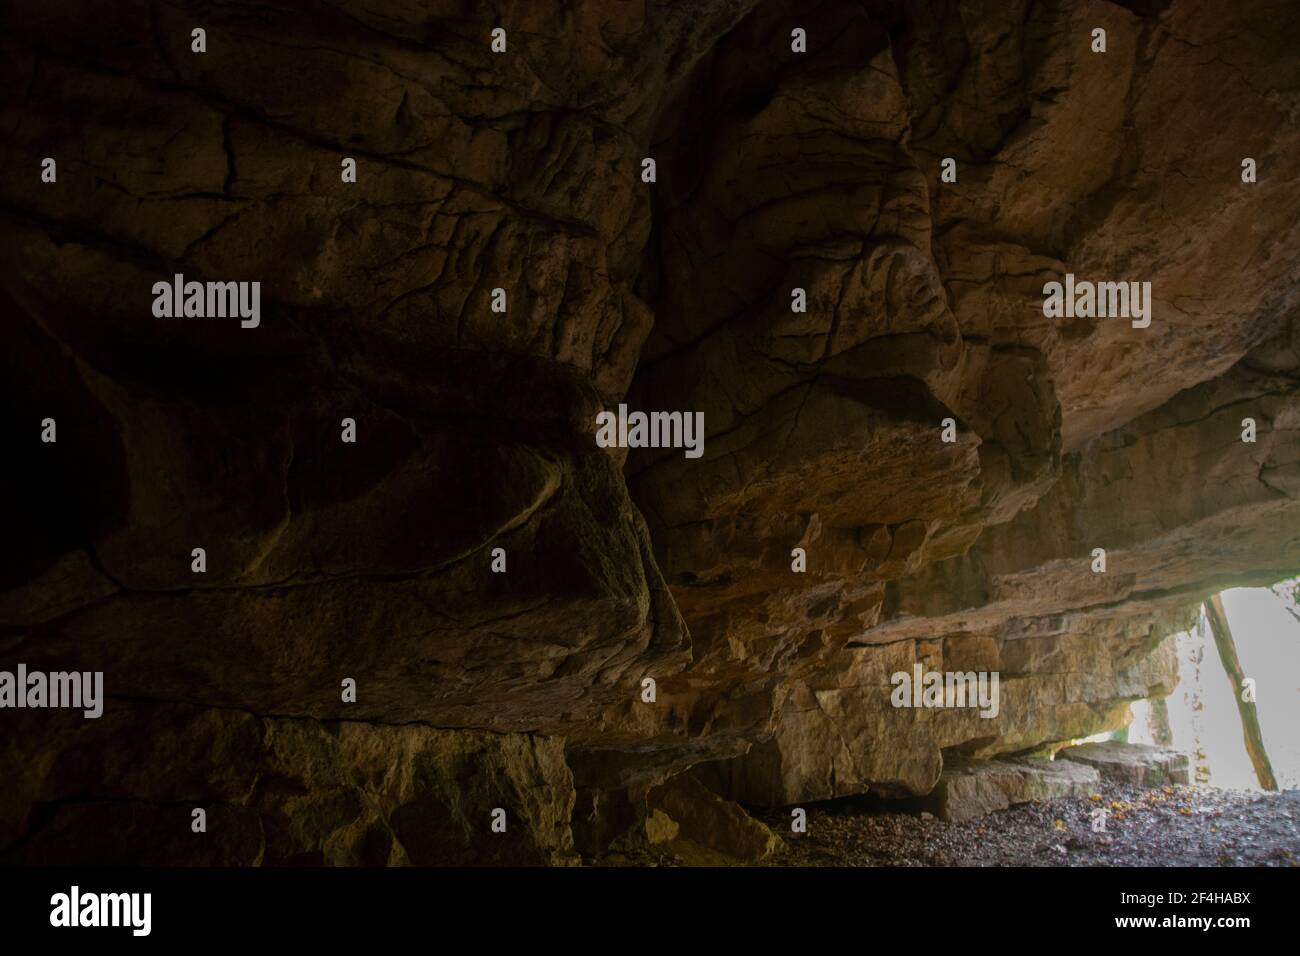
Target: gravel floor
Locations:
point(1170, 826)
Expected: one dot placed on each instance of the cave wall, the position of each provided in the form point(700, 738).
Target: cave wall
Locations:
point(522, 171)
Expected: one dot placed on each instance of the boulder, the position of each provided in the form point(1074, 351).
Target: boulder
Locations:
point(1140, 765)
point(972, 788)
point(702, 828)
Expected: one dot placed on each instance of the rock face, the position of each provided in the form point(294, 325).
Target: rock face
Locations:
point(1137, 764)
point(281, 791)
point(838, 734)
point(522, 171)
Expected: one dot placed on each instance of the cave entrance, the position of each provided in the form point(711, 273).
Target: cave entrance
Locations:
point(1208, 714)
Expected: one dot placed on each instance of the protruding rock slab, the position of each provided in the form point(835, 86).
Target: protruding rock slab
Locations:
point(1138, 764)
point(701, 828)
point(970, 788)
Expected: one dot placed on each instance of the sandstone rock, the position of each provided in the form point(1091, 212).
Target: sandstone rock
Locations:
point(838, 733)
point(776, 171)
point(279, 791)
point(968, 789)
point(1141, 765)
point(661, 828)
point(702, 828)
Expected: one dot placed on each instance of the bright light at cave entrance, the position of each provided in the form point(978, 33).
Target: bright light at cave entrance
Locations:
point(1202, 713)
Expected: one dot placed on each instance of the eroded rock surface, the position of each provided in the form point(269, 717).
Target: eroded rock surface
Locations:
point(522, 171)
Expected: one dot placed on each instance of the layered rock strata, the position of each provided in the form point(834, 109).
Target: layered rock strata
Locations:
point(522, 171)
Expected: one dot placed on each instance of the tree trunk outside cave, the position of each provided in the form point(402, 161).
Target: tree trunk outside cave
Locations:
point(1249, 720)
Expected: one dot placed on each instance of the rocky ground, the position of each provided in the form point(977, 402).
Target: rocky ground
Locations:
point(1169, 826)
